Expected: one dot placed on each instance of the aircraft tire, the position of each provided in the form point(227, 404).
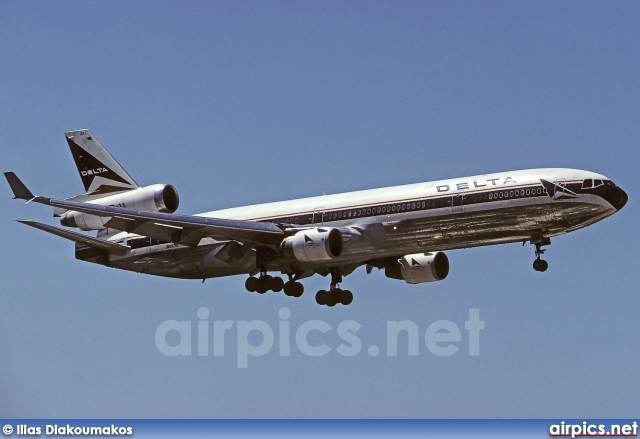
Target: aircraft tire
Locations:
point(333, 298)
point(321, 297)
point(298, 289)
point(251, 284)
point(346, 297)
point(277, 284)
point(540, 265)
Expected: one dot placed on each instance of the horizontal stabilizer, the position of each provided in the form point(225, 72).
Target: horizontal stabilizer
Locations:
point(20, 191)
point(111, 247)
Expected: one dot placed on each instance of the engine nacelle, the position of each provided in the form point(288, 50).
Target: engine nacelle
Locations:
point(154, 198)
point(319, 244)
point(420, 267)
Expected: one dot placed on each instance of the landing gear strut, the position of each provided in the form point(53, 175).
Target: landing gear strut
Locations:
point(540, 264)
point(265, 282)
point(335, 294)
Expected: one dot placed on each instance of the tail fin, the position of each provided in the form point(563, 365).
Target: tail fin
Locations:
point(99, 171)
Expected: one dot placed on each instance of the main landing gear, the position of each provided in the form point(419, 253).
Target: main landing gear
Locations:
point(335, 294)
point(266, 283)
point(540, 264)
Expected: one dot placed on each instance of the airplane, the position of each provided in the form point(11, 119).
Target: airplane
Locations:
point(403, 230)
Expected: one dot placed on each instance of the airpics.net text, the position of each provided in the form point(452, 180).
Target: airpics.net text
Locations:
point(257, 338)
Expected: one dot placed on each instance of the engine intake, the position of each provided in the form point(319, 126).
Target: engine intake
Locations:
point(420, 267)
point(319, 244)
point(155, 198)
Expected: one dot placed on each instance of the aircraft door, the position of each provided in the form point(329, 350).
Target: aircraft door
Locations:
point(457, 202)
point(318, 216)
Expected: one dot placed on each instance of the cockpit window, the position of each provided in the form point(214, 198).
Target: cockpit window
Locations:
point(590, 183)
point(587, 184)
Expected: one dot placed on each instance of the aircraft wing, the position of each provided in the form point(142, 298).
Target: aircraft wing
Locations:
point(181, 229)
point(100, 244)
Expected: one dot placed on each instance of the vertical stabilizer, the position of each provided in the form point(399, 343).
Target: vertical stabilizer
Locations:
point(99, 171)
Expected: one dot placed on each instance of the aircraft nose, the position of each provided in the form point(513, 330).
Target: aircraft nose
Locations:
point(623, 199)
point(617, 197)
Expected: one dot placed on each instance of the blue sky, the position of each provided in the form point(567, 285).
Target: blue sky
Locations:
point(242, 102)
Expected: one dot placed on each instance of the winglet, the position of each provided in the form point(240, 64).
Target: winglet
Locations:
point(20, 191)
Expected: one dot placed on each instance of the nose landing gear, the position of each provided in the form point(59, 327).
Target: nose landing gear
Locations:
point(540, 264)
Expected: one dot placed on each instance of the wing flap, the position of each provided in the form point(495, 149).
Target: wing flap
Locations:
point(111, 247)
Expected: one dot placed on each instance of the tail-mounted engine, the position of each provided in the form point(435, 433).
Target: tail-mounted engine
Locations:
point(420, 267)
point(319, 244)
point(154, 198)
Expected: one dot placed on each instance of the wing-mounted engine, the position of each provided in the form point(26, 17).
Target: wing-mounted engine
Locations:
point(155, 198)
point(319, 244)
point(420, 267)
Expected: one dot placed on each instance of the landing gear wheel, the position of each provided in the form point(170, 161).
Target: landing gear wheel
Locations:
point(540, 265)
point(277, 284)
point(262, 287)
point(293, 289)
point(334, 297)
point(346, 297)
point(251, 284)
point(321, 297)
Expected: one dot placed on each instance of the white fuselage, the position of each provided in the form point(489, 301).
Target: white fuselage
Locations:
point(389, 222)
